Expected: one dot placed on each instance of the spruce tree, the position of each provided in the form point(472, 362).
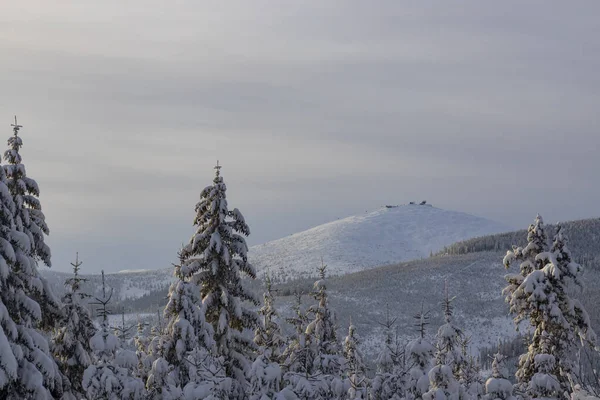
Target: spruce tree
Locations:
point(323, 328)
point(208, 379)
point(27, 368)
point(187, 331)
point(313, 370)
point(498, 387)
point(388, 383)
point(268, 336)
point(215, 259)
point(108, 377)
point(71, 342)
point(470, 374)
point(28, 216)
point(355, 370)
point(299, 356)
point(541, 294)
point(450, 339)
point(420, 354)
point(443, 376)
point(266, 374)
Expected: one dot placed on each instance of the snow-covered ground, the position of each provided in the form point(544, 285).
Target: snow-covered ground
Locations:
point(381, 237)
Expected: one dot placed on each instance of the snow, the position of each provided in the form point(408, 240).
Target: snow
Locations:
point(381, 237)
point(133, 271)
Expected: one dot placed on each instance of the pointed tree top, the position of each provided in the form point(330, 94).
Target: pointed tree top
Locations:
point(447, 303)
point(268, 282)
point(16, 126)
point(76, 264)
point(322, 269)
point(218, 168)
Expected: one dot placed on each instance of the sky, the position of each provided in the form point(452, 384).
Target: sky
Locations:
point(316, 109)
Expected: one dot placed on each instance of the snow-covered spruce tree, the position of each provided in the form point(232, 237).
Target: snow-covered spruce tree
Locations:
point(215, 258)
point(299, 356)
point(108, 377)
point(27, 369)
point(268, 336)
point(187, 331)
point(354, 369)
point(304, 377)
point(558, 321)
point(148, 352)
point(142, 342)
point(544, 383)
point(443, 384)
point(124, 330)
point(450, 339)
point(498, 387)
point(28, 215)
point(470, 377)
point(71, 342)
point(323, 329)
point(208, 379)
point(265, 374)
point(517, 297)
point(448, 358)
point(420, 355)
point(30, 231)
point(388, 383)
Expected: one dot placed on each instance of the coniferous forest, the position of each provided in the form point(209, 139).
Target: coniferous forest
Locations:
point(217, 339)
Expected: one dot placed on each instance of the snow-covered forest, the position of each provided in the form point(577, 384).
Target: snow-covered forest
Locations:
point(218, 339)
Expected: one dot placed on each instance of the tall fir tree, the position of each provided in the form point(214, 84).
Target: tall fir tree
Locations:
point(541, 294)
point(28, 215)
point(71, 341)
point(27, 307)
point(215, 259)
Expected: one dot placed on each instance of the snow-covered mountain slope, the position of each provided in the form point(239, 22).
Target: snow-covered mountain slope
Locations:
point(381, 237)
point(126, 285)
point(473, 269)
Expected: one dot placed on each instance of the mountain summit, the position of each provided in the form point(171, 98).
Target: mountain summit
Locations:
point(388, 235)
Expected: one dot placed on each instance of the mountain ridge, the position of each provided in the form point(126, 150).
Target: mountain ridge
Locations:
point(385, 236)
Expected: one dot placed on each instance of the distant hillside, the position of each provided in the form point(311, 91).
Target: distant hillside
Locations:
point(473, 269)
point(584, 241)
point(476, 277)
point(381, 237)
point(136, 290)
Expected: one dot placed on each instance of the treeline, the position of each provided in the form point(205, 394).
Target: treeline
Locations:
point(584, 235)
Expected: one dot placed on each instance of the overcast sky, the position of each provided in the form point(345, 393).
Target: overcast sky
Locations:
point(317, 109)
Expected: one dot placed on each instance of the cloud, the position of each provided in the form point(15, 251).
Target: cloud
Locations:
point(317, 110)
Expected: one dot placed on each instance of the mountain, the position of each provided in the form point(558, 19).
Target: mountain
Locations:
point(475, 274)
point(473, 269)
point(382, 237)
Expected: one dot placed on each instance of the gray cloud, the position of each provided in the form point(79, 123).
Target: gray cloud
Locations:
point(318, 110)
